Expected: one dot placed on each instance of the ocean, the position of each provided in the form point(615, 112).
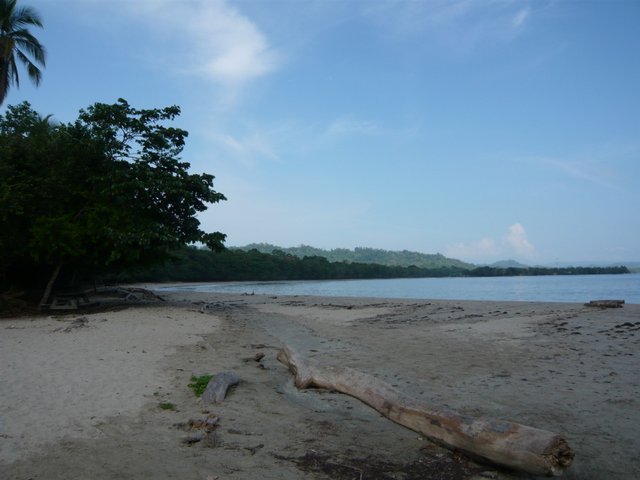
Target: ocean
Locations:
point(548, 288)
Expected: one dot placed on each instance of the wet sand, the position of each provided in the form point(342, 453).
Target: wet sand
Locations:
point(80, 393)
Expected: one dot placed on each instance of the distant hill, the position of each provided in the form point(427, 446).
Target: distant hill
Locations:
point(402, 258)
point(508, 264)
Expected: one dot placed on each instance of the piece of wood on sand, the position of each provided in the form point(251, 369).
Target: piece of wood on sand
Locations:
point(217, 387)
point(605, 303)
point(509, 444)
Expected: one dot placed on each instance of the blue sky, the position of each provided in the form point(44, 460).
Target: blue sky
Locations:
point(483, 130)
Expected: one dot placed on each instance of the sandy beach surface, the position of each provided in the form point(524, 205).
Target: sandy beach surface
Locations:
point(80, 392)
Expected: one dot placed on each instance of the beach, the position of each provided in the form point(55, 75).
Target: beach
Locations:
point(80, 392)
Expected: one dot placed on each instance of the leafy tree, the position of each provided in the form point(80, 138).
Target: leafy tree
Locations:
point(106, 191)
point(17, 44)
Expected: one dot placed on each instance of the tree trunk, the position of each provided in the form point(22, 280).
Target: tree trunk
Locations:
point(505, 443)
point(47, 291)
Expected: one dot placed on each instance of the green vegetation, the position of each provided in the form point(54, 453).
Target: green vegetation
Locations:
point(106, 192)
point(389, 258)
point(199, 384)
point(18, 45)
point(167, 406)
point(536, 271)
point(198, 265)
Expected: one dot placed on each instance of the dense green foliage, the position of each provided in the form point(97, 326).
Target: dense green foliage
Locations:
point(18, 45)
point(197, 265)
point(402, 258)
point(534, 271)
point(105, 192)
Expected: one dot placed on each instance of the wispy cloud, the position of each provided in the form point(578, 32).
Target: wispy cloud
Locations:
point(247, 148)
point(515, 243)
point(580, 170)
point(457, 24)
point(350, 126)
point(520, 18)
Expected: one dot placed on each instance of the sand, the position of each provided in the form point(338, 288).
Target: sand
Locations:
point(80, 393)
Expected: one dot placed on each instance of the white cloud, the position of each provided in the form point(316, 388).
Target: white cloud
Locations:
point(234, 49)
point(517, 239)
point(514, 243)
point(209, 38)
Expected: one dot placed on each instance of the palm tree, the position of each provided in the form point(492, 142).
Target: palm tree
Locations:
point(16, 42)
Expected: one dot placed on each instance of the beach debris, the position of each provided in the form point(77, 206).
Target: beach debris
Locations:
point(253, 450)
point(207, 423)
point(200, 429)
point(80, 322)
point(70, 301)
point(216, 389)
point(193, 438)
point(129, 293)
point(344, 466)
point(605, 303)
point(505, 443)
point(256, 358)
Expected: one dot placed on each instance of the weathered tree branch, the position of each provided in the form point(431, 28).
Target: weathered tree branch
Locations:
point(217, 387)
point(505, 443)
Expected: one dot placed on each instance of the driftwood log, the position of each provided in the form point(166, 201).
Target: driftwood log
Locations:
point(605, 303)
point(509, 444)
point(217, 387)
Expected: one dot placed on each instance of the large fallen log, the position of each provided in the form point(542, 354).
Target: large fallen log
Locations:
point(509, 444)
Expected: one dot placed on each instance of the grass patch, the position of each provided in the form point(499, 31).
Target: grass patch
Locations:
point(167, 406)
point(199, 384)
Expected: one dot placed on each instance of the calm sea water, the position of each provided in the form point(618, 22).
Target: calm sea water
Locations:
point(556, 288)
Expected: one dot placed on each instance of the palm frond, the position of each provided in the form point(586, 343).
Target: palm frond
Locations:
point(27, 42)
point(7, 9)
point(18, 44)
point(26, 17)
point(13, 72)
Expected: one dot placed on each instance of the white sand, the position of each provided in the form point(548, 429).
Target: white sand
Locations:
point(58, 383)
point(84, 403)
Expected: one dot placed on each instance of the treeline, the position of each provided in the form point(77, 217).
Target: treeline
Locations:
point(198, 265)
point(533, 271)
point(403, 258)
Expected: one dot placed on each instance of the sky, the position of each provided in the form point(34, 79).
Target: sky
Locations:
point(480, 129)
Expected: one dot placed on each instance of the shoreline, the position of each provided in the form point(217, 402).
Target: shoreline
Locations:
point(555, 288)
point(558, 366)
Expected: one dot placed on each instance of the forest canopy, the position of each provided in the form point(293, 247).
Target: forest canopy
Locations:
point(190, 264)
point(107, 191)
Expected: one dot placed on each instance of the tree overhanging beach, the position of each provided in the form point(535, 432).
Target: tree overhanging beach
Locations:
point(108, 191)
